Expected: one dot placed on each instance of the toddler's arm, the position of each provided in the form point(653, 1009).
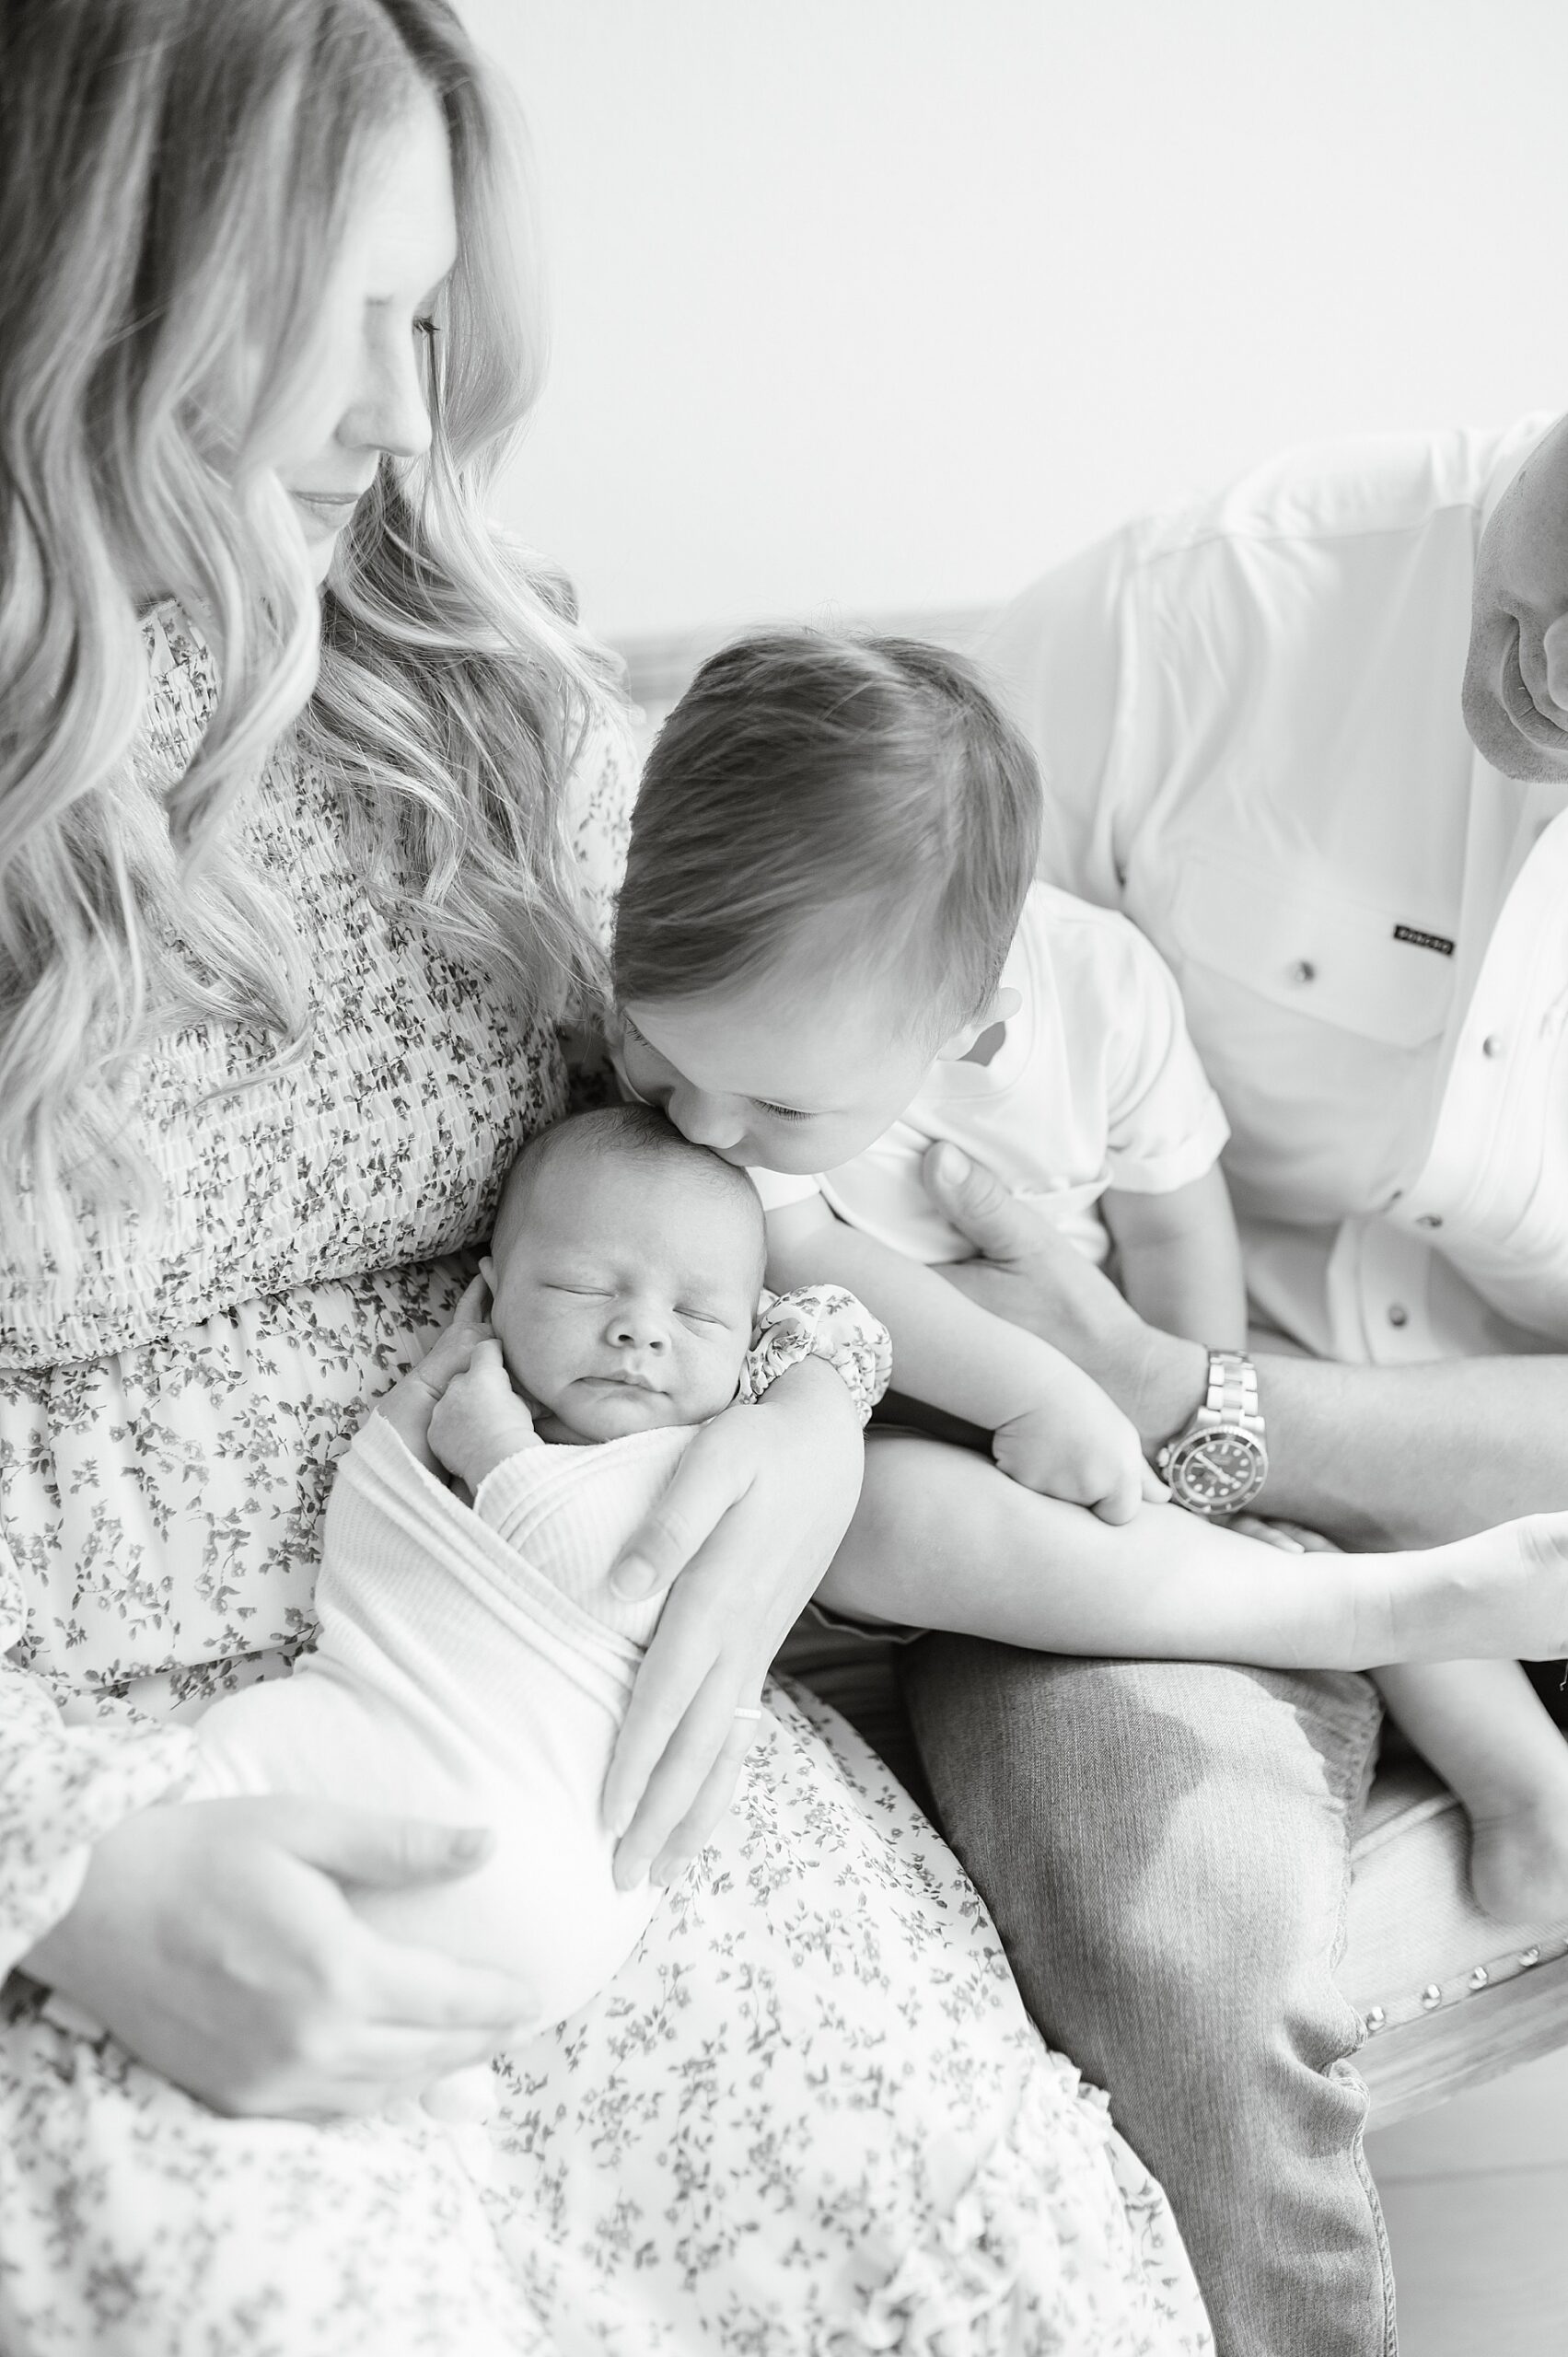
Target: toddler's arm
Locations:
point(1054, 1429)
point(1180, 1260)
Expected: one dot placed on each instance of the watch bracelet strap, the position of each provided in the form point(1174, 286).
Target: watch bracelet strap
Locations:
point(1232, 1395)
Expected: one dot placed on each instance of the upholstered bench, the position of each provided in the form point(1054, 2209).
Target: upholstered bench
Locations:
point(1448, 1997)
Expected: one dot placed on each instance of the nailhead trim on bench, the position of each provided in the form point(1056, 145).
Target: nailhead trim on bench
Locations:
point(1438, 1994)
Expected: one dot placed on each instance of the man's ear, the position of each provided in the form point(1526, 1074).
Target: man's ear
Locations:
point(1004, 1004)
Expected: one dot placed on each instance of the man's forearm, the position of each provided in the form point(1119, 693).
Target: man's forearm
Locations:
point(1396, 1456)
point(1405, 1455)
point(1391, 1456)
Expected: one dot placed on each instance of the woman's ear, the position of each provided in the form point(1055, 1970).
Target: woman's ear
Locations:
point(1004, 1004)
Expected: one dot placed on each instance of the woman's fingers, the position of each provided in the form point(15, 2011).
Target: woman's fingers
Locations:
point(421, 1990)
point(678, 1662)
point(696, 1826)
point(358, 1845)
point(472, 1315)
point(450, 1354)
point(698, 1763)
point(705, 1489)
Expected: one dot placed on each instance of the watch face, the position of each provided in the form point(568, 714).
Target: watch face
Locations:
point(1217, 1470)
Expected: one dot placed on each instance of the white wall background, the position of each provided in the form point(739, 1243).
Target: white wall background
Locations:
point(882, 304)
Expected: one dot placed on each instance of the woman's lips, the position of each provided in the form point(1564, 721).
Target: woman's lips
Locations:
point(332, 508)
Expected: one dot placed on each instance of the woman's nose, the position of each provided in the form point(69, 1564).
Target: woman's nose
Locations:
point(390, 408)
point(707, 1121)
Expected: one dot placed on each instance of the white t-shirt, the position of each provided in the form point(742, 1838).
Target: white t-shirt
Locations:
point(1249, 718)
point(1096, 1084)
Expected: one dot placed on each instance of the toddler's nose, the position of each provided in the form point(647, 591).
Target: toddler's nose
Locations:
point(707, 1121)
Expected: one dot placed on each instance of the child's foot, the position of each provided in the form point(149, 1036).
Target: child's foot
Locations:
point(1502, 1593)
point(1519, 1860)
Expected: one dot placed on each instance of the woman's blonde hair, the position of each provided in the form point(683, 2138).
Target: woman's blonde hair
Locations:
point(171, 176)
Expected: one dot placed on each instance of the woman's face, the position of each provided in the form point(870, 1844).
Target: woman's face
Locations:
point(359, 390)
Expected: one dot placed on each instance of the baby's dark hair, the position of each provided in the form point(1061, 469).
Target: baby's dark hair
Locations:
point(639, 1132)
point(805, 771)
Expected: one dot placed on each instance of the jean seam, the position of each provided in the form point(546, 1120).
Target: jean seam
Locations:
point(1342, 2066)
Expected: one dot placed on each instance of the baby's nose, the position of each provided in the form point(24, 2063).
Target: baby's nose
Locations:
point(635, 1329)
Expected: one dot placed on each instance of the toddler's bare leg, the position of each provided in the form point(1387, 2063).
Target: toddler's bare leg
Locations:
point(942, 1540)
point(1485, 1731)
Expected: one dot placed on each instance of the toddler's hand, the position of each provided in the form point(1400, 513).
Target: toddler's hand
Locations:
point(479, 1420)
point(1083, 1450)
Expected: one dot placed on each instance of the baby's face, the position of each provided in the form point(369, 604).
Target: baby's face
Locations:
point(627, 1296)
point(796, 1078)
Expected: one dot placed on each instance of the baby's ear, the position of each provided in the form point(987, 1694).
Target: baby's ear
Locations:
point(487, 1270)
point(1004, 1005)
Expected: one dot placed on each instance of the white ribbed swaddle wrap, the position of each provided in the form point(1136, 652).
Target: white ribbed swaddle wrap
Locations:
point(472, 1667)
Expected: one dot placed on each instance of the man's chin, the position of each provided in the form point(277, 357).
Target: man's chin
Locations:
point(1499, 738)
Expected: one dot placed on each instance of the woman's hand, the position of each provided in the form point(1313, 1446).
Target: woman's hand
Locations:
point(1030, 1275)
point(214, 1939)
point(750, 1523)
point(409, 1406)
point(478, 1421)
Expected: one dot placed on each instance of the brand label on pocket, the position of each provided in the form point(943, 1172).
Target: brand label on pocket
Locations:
point(1419, 940)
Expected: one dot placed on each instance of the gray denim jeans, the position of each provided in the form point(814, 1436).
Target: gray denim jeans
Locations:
point(1166, 1848)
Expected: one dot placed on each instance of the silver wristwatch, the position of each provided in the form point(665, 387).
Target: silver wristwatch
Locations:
point(1218, 1461)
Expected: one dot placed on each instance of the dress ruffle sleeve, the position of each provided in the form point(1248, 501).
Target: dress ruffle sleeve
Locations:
point(820, 1322)
point(63, 1787)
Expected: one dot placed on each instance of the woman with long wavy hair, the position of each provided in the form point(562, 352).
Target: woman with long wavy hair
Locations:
point(312, 802)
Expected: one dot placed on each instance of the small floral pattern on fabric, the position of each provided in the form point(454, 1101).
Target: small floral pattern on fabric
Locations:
point(809, 2116)
point(820, 1322)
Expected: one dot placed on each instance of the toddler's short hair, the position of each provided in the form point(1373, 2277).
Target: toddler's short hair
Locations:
point(805, 770)
point(638, 1132)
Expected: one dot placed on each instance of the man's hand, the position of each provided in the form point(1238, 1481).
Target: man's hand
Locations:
point(1027, 1275)
point(479, 1420)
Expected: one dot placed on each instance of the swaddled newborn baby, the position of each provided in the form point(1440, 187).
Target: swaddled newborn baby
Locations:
point(474, 1663)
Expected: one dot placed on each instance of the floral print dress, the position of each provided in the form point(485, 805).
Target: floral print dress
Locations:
point(809, 2117)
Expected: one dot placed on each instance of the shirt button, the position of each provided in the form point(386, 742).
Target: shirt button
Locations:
point(1303, 970)
point(1493, 1044)
point(1429, 1219)
point(1398, 1314)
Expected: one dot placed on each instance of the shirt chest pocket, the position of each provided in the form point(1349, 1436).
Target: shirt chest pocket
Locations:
point(1311, 951)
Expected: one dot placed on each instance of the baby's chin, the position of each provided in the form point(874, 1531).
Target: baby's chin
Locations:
point(590, 1411)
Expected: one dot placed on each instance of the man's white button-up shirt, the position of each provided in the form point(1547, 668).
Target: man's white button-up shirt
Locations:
point(1249, 719)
